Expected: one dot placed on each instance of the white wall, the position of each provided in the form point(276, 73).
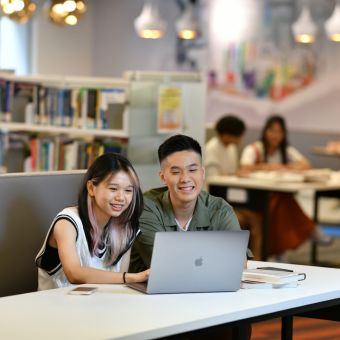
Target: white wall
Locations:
point(62, 50)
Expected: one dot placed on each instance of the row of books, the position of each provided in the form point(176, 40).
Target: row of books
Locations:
point(71, 107)
point(61, 153)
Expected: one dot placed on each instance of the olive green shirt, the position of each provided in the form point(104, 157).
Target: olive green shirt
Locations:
point(211, 213)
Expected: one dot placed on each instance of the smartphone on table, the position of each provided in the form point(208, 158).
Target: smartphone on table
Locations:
point(82, 290)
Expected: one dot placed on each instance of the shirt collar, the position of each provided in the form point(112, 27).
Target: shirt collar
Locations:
point(200, 218)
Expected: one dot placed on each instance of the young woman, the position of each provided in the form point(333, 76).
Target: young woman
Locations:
point(273, 152)
point(90, 243)
point(289, 226)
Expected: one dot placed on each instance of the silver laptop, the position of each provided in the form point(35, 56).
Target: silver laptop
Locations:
point(193, 262)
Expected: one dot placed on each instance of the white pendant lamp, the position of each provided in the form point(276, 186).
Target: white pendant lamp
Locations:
point(304, 28)
point(187, 24)
point(332, 25)
point(149, 24)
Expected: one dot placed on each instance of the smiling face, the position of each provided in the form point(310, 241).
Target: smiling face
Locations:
point(111, 197)
point(182, 172)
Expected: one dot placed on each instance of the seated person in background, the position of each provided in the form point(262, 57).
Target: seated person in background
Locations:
point(221, 157)
point(90, 243)
point(180, 205)
point(289, 225)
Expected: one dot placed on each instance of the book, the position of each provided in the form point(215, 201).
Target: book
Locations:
point(247, 284)
point(272, 275)
point(92, 108)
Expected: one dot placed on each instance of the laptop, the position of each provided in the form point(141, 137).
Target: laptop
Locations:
point(196, 262)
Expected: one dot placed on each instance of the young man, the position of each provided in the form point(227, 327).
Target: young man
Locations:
point(221, 157)
point(181, 205)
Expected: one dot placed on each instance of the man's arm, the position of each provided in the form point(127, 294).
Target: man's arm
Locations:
point(229, 221)
point(227, 218)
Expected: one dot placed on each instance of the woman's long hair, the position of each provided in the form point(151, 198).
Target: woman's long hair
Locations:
point(118, 233)
point(275, 119)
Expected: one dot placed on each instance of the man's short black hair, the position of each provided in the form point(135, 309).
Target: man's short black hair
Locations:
point(178, 143)
point(230, 125)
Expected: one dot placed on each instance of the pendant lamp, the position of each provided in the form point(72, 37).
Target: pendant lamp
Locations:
point(18, 10)
point(149, 24)
point(304, 28)
point(187, 25)
point(332, 25)
point(66, 12)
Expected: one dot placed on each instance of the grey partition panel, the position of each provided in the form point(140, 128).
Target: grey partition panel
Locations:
point(28, 204)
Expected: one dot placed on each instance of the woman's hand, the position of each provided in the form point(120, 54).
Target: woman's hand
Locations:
point(137, 277)
point(273, 166)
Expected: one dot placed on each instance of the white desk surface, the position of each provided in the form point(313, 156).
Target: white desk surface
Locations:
point(251, 183)
point(322, 150)
point(118, 312)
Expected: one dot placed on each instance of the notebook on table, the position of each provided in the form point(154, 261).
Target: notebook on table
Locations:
point(196, 262)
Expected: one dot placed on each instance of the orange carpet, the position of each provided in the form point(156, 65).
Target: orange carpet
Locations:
point(304, 329)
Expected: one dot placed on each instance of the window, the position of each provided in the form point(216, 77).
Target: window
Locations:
point(15, 46)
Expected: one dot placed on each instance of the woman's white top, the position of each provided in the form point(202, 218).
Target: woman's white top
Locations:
point(56, 277)
point(254, 153)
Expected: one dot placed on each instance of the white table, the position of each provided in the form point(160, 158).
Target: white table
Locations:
point(289, 187)
point(259, 191)
point(118, 312)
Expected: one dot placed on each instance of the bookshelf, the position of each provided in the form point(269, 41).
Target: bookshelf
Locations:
point(91, 115)
point(60, 123)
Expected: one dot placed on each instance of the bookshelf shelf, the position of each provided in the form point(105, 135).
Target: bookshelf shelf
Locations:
point(52, 123)
point(58, 130)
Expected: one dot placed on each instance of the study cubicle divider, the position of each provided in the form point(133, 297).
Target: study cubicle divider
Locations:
point(28, 204)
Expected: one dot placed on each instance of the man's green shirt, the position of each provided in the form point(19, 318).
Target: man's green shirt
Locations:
point(211, 213)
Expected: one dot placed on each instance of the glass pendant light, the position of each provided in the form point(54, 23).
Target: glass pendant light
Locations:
point(66, 12)
point(332, 25)
point(149, 24)
point(304, 28)
point(18, 10)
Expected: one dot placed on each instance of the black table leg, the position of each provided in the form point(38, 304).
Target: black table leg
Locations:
point(265, 226)
point(314, 250)
point(287, 328)
point(241, 332)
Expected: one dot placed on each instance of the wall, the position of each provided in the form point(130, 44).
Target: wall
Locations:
point(62, 50)
point(116, 45)
point(105, 44)
point(315, 108)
